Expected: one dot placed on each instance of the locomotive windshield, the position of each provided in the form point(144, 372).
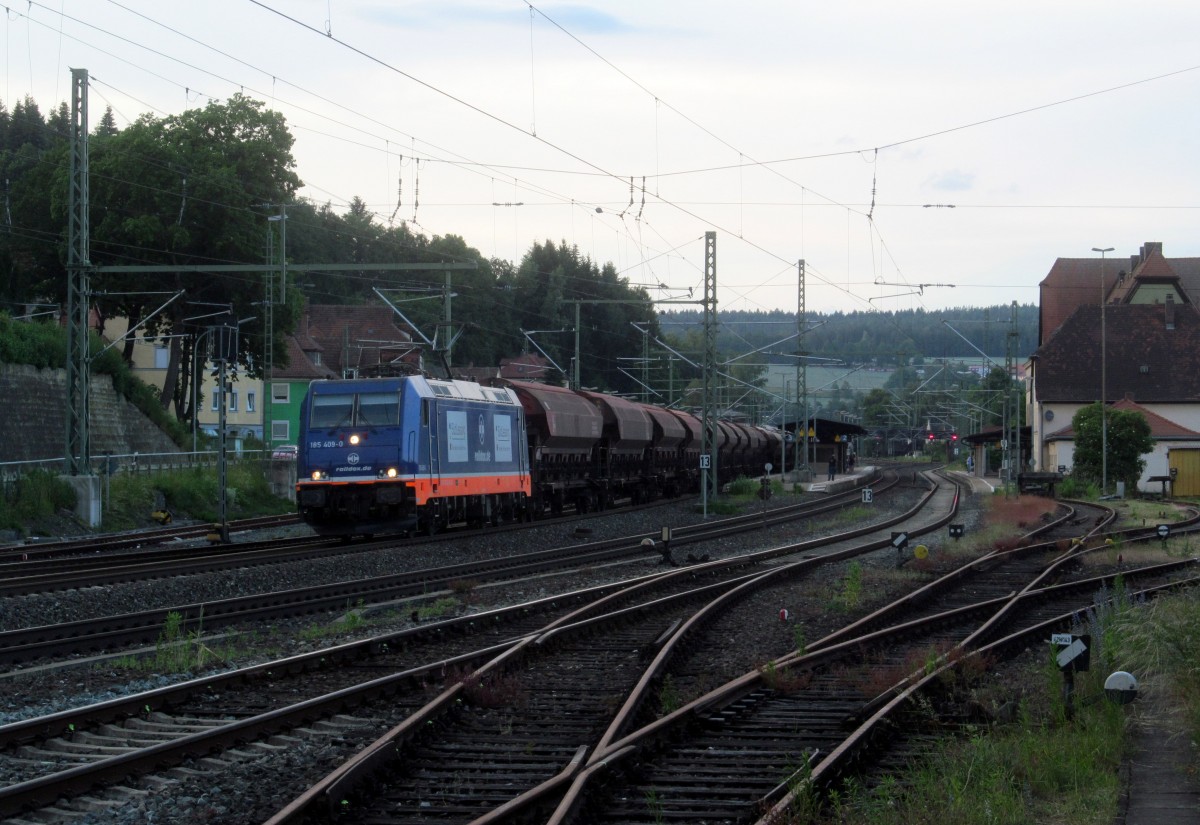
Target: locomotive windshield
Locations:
point(378, 409)
point(367, 409)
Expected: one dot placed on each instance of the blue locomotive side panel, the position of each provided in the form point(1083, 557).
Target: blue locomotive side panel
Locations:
point(409, 453)
point(477, 442)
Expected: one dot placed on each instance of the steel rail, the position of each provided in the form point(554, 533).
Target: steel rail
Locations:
point(98, 634)
point(329, 793)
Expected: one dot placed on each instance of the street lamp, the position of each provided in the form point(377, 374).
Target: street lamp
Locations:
point(1103, 377)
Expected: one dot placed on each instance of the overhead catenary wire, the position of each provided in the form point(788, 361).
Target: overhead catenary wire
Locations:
point(870, 211)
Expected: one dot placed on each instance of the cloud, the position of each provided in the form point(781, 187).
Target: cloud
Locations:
point(577, 19)
point(586, 20)
point(954, 180)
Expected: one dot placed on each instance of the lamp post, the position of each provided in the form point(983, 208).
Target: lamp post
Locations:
point(1103, 378)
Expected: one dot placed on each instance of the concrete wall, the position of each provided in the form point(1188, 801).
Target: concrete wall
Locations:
point(33, 417)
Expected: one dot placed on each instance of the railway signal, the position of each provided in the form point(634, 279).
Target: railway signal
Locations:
point(1073, 654)
point(1121, 688)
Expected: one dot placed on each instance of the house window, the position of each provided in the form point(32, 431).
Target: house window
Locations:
point(281, 431)
point(281, 393)
point(315, 357)
point(162, 358)
point(216, 399)
point(250, 401)
point(233, 394)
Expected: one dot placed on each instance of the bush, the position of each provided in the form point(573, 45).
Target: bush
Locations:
point(1071, 487)
point(36, 496)
point(743, 486)
point(44, 345)
point(195, 492)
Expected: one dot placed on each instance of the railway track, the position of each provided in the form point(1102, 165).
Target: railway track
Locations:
point(33, 788)
point(104, 633)
point(289, 726)
point(818, 703)
point(87, 545)
point(74, 565)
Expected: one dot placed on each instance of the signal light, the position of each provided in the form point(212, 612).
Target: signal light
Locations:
point(931, 436)
point(954, 436)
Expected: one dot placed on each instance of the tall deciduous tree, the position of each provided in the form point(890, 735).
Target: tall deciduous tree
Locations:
point(192, 189)
point(550, 280)
point(1128, 440)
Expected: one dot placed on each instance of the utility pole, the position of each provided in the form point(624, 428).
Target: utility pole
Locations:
point(280, 219)
point(803, 471)
point(1013, 437)
point(79, 267)
point(708, 452)
point(225, 347)
point(1103, 377)
point(575, 385)
point(447, 301)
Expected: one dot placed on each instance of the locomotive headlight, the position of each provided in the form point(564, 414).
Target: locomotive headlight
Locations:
point(317, 475)
point(354, 439)
point(391, 472)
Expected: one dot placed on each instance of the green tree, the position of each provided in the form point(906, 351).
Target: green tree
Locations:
point(1128, 440)
point(875, 409)
point(194, 188)
point(546, 285)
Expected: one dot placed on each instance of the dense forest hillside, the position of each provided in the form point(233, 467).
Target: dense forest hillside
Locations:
point(217, 186)
point(882, 338)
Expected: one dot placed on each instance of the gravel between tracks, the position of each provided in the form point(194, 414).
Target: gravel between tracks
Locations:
point(250, 791)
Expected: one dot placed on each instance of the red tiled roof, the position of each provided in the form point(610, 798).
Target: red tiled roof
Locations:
point(1144, 357)
point(1160, 427)
point(527, 367)
point(1075, 282)
point(356, 337)
point(1072, 283)
point(300, 367)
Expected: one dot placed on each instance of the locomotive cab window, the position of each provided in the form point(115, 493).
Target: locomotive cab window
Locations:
point(331, 411)
point(378, 409)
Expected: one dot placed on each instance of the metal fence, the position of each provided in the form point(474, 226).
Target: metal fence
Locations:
point(112, 464)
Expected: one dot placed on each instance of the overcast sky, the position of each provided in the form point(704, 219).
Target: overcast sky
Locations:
point(837, 133)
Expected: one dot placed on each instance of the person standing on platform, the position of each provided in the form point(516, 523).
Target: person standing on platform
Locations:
point(832, 466)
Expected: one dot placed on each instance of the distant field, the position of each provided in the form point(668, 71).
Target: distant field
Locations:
point(823, 379)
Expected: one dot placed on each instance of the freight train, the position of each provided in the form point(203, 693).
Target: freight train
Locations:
point(414, 454)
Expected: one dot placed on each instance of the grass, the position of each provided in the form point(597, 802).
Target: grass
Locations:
point(351, 621)
point(849, 593)
point(132, 497)
point(1148, 511)
point(29, 504)
point(437, 609)
point(176, 651)
point(739, 494)
point(668, 695)
point(1047, 765)
point(1071, 487)
point(852, 515)
point(1042, 768)
point(36, 496)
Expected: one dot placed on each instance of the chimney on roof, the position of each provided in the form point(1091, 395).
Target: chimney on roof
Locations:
point(1151, 247)
point(1169, 308)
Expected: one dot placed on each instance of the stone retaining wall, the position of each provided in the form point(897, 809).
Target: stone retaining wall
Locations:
point(33, 417)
